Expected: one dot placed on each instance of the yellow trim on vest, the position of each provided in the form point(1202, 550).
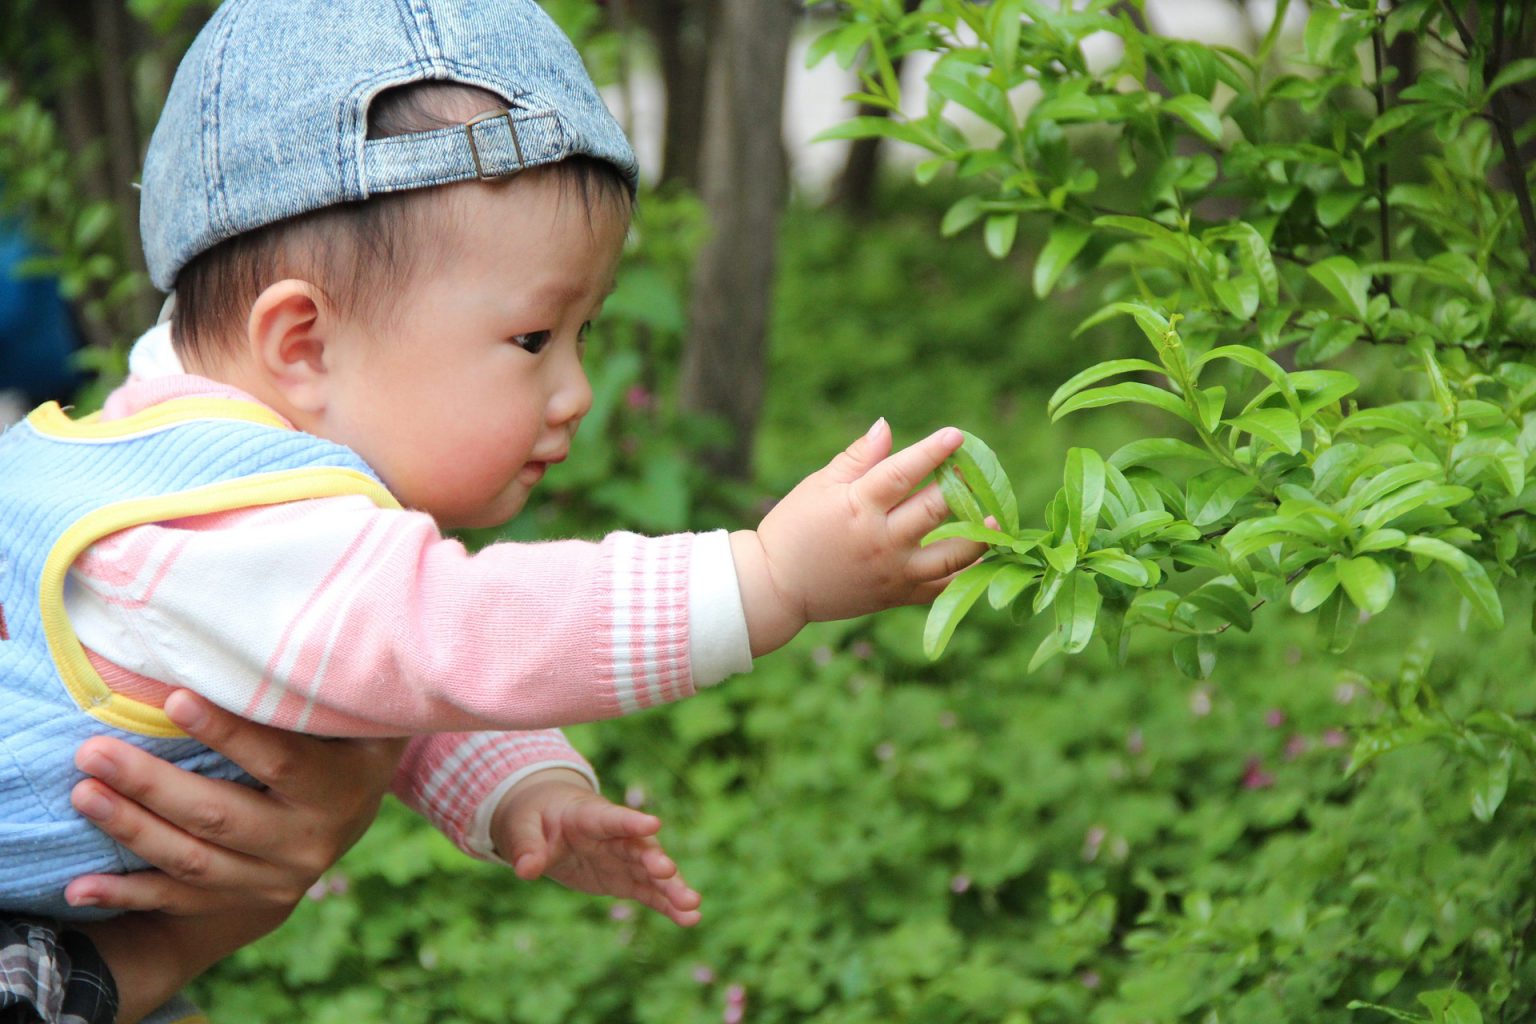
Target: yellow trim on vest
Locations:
point(82, 681)
point(87, 687)
point(52, 421)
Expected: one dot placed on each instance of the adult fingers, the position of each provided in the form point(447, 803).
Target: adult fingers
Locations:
point(897, 476)
point(157, 891)
point(152, 803)
point(307, 770)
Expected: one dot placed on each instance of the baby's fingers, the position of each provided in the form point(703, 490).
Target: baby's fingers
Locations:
point(937, 564)
point(895, 477)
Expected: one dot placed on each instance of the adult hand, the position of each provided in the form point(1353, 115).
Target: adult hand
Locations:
point(220, 845)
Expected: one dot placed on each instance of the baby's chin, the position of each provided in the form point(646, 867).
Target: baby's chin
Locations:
point(495, 513)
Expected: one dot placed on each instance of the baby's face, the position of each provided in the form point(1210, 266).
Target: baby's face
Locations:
point(475, 386)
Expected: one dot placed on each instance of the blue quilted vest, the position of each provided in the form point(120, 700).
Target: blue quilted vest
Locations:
point(63, 485)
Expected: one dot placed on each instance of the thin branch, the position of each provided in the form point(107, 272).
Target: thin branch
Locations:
point(1501, 124)
point(1384, 213)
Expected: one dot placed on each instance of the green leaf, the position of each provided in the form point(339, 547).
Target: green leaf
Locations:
point(982, 473)
point(1011, 581)
point(1049, 647)
point(958, 496)
point(999, 233)
point(1239, 296)
point(1330, 339)
point(961, 215)
point(1212, 494)
point(1066, 241)
point(1151, 449)
point(1077, 612)
point(1315, 587)
point(1344, 280)
point(1257, 361)
point(1277, 426)
point(951, 605)
point(1096, 373)
point(1197, 112)
point(1447, 1006)
point(1130, 391)
point(1439, 550)
point(1478, 589)
point(1369, 583)
point(1195, 656)
point(1337, 623)
point(968, 530)
point(1513, 73)
point(1224, 601)
point(1084, 486)
point(1211, 402)
point(1118, 565)
point(1490, 783)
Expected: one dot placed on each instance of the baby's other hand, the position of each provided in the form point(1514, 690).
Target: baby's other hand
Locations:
point(846, 540)
point(553, 824)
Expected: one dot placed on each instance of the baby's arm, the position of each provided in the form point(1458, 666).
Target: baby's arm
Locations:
point(845, 541)
point(336, 618)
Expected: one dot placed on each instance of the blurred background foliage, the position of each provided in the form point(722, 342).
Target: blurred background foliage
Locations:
point(880, 837)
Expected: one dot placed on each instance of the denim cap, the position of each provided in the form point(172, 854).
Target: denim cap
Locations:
point(268, 114)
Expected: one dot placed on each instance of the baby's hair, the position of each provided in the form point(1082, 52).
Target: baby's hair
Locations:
point(360, 255)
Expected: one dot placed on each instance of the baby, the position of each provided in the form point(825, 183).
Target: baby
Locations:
point(388, 228)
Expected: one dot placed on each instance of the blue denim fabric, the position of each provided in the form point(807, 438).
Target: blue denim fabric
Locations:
point(267, 117)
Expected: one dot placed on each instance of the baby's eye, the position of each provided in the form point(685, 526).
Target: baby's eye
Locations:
point(533, 342)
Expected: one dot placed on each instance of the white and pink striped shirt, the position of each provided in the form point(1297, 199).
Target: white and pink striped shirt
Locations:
point(334, 617)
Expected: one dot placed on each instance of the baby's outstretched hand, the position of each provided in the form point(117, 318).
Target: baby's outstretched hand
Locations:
point(846, 541)
point(553, 824)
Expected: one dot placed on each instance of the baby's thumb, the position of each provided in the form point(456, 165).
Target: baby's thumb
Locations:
point(529, 853)
point(859, 457)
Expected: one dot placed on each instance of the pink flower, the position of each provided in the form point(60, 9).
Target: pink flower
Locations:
point(634, 796)
point(735, 1005)
point(1345, 693)
point(1092, 840)
point(339, 883)
point(1254, 775)
point(1274, 718)
point(703, 974)
point(1090, 979)
point(862, 649)
point(1296, 746)
point(621, 912)
point(638, 398)
point(1333, 739)
point(1135, 743)
point(1200, 701)
point(318, 891)
point(960, 883)
point(822, 655)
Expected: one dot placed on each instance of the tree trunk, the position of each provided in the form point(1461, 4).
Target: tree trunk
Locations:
point(681, 30)
point(854, 190)
point(743, 187)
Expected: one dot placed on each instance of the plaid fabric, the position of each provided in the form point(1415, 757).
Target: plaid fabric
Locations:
point(49, 976)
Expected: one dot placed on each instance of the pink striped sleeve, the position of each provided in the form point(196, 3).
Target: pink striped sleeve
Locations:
point(449, 777)
point(411, 633)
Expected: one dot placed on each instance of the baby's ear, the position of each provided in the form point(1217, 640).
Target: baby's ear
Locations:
point(290, 326)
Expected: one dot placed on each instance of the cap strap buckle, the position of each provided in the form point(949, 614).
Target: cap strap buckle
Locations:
point(474, 149)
